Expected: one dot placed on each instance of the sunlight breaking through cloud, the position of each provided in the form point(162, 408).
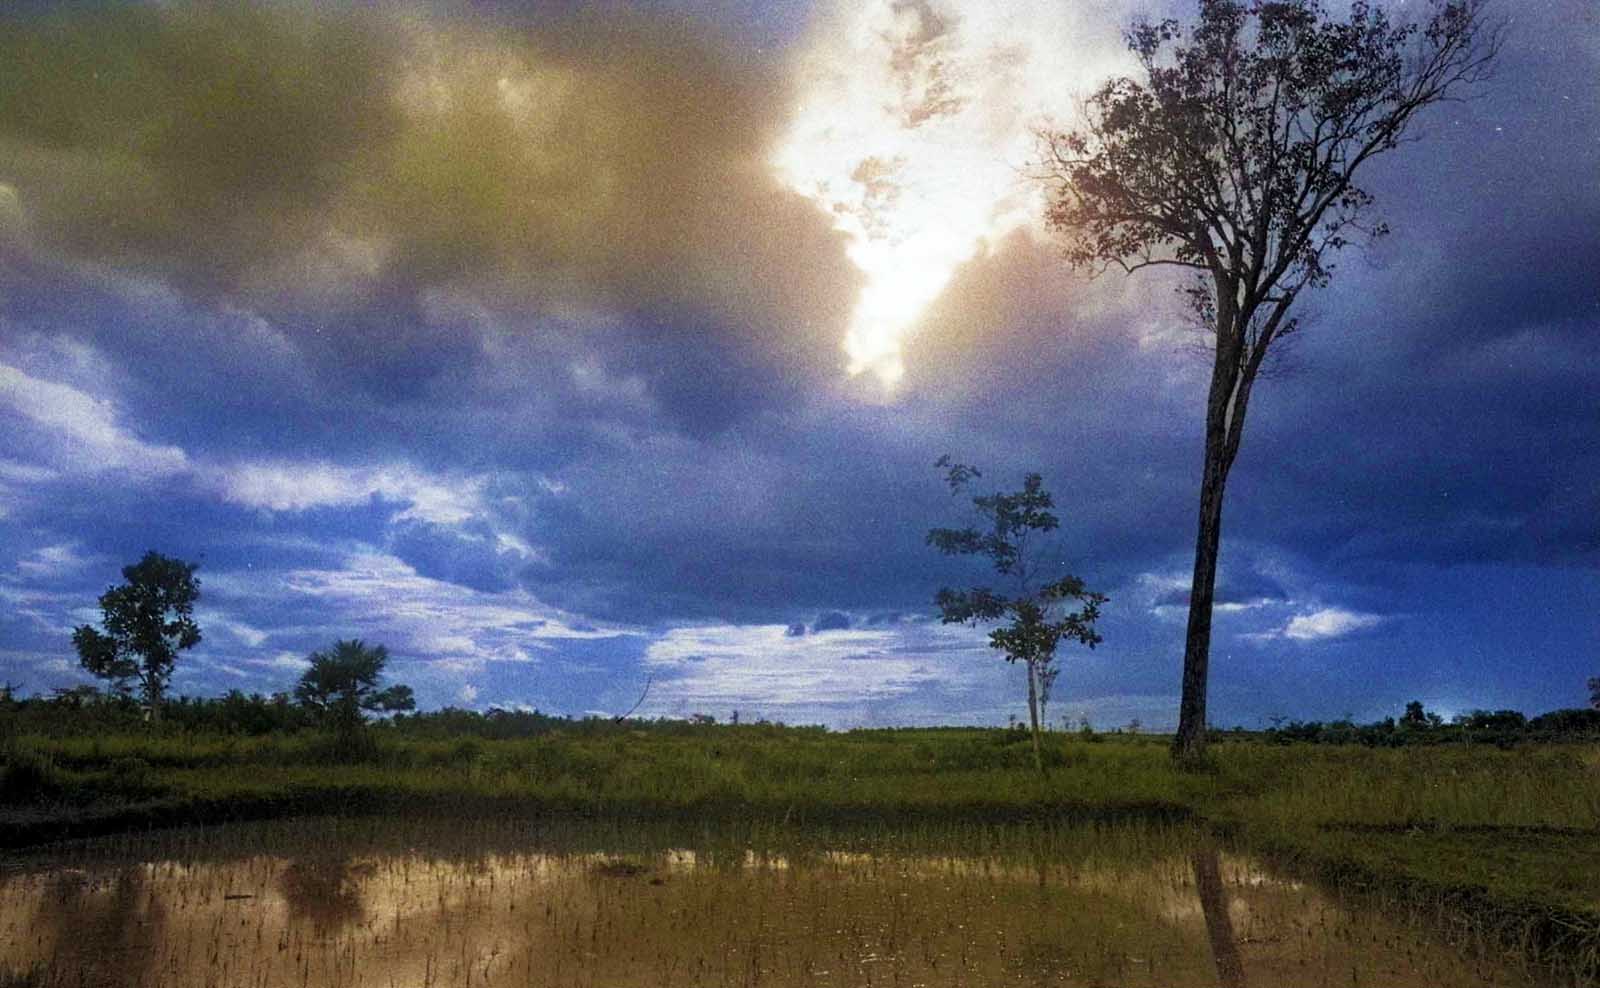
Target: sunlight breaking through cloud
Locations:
point(913, 129)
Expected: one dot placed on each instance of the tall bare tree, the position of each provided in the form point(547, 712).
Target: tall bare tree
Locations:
point(1234, 157)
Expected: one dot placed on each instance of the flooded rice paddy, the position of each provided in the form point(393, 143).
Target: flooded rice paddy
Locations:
point(374, 903)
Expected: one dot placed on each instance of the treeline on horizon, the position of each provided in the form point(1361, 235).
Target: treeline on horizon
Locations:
point(83, 709)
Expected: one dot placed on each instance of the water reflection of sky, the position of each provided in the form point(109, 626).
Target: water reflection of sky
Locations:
point(352, 916)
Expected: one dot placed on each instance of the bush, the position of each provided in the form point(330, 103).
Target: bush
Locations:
point(133, 776)
point(360, 746)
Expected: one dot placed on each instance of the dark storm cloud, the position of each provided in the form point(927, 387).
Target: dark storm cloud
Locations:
point(1459, 420)
point(1442, 398)
point(331, 169)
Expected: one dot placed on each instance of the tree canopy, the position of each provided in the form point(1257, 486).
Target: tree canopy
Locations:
point(148, 620)
point(342, 684)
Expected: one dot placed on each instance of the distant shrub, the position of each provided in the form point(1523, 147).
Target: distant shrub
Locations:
point(1494, 720)
point(1503, 728)
point(1573, 722)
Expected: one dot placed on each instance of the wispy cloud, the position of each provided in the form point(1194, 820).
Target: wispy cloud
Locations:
point(81, 432)
point(291, 486)
point(766, 668)
point(282, 662)
point(52, 562)
point(420, 619)
point(47, 611)
point(24, 473)
point(84, 434)
point(1166, 595)
point(241, 632)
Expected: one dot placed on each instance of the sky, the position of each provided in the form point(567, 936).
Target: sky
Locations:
point(568, 352)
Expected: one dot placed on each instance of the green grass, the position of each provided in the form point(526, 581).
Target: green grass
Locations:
point(1297, 790)
point(1509, 834)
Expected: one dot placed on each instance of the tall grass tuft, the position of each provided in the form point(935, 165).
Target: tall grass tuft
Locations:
point(28, 777)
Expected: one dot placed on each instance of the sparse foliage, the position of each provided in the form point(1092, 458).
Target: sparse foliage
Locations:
point(148, 620)
point(342, 685)
point(1036, 613)
point(1234, 159)
point(1594, 692)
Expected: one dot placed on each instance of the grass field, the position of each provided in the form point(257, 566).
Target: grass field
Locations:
point(1505, 838)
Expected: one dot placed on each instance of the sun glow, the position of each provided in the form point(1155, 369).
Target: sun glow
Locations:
point(914, 128)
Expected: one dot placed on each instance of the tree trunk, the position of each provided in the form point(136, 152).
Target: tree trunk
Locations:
point(1190, 742)
point(1033, 713)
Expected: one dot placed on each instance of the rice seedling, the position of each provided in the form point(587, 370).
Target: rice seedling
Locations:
point(354, 902)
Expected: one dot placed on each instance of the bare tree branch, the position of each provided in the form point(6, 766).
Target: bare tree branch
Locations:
point(637, 703)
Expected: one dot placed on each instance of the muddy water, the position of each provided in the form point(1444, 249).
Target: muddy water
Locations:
point(315, 904)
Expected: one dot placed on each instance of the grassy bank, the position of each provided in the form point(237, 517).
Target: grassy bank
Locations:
point(1506, 835)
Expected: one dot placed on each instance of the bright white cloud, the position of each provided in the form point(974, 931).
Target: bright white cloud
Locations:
point(1293, 613)
point(1330, 622)
point(287, 486)
point(764, 669)
point(84, 433)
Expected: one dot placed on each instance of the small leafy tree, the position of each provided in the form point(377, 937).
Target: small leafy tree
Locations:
point(1035, 614)
point(148, 620)
point(342, 686)
point(1594, 692)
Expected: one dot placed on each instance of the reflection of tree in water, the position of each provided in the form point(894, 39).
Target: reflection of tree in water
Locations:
point(108, 935)
point(324, 890)
point(1219, 925)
